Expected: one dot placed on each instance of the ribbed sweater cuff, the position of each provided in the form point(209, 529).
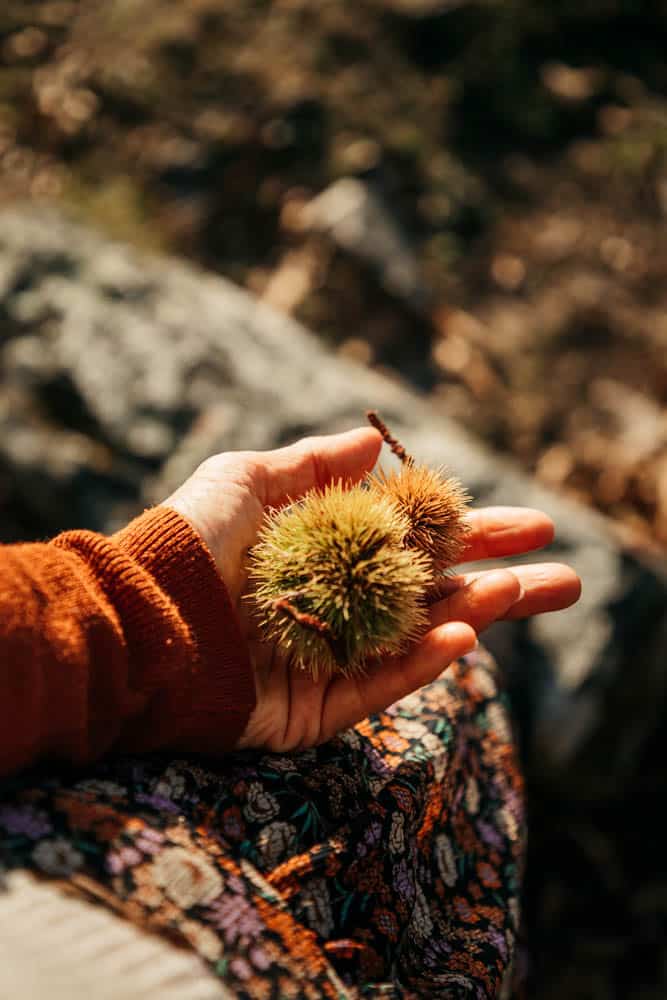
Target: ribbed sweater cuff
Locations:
point(221, 695)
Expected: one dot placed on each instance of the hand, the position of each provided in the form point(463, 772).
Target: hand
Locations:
point(225, 501)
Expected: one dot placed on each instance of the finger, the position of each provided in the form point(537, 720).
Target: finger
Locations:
point(349, 700)
point(289, 472)
point(546, 587)
point(482, 599)
point(506, 531)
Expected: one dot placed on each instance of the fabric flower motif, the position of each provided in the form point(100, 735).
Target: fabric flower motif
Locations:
point(490, 834)
point(25, 820)
point(203, 939)
point(373, 833)
point(149, 841)
point(126, 857)
point(235, 916)
point(411, 729)
point(186, 877)
point(145, 891)
point(483, 682)
point(240, 968)
point(232, 825)
point(101, 786)
point(281, 764)
point(376, 785)
point(179, 834)
point(437, 754)
point(315, 906)
point(158, 802)
point(508, 822)
point(261, 806)
point(350, 738)
point(488, 875)
point(276, 843)
point(256, 880)
point(498, 722)
point(392, 741)
point(472, 795)
point(412, 704)
point(387, 923)
point(57, 857)
point(397, 833)
point(421, 923)
point(259, 958)
point(444, 856)
point(404, 799)
point(404, 880)
point(377, 762)
point(170, 785)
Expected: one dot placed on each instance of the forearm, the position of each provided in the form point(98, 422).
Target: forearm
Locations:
point(128, 641)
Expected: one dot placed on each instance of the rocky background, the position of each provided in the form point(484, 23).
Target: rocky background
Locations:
point(513, 153)
point(466, 203)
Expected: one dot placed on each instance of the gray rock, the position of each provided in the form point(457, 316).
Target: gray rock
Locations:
point(120, 374)
point(356, 218)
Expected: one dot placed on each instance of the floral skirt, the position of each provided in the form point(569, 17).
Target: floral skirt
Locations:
point(385, 863)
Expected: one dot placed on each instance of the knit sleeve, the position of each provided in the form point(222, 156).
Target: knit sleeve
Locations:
point(128, 642)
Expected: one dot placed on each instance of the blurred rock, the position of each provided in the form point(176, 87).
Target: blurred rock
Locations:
point(120, 374)
point(423, 8)
point(357, 220)
point(570, 84)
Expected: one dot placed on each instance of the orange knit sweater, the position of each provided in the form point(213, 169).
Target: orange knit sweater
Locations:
point(128, 642)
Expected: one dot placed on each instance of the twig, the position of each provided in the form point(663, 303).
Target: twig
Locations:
point(313, 624)
point(395, 445)
point(301, 617)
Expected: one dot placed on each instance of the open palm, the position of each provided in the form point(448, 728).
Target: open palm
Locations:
point(226, 499)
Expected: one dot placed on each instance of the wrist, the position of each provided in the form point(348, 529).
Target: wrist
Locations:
point(208, 704)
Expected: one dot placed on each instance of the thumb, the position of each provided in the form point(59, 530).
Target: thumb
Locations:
point(288, 473)
point(350, 699)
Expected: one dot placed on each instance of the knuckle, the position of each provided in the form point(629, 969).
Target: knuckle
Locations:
point(238, 465)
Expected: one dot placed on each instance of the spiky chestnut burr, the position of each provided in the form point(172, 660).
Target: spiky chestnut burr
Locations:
point(433, 503)
point(334, 583)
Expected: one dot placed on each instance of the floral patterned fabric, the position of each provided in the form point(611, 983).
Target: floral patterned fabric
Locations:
point(385, 863)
